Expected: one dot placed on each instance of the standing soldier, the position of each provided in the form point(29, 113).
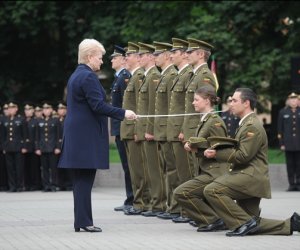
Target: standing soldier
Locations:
point(63, 174)
point(289, 140)
point(162, 99)
point(47, 146)
point(231, 121)
point(15, 138)
point(144, 130)
point(3, 172)
point(199, 53)
point(119, 85)
point(174, 124)
point(141, 200)
point(32, 172)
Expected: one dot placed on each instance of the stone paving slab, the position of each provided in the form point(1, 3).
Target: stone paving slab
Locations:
point(37, 220)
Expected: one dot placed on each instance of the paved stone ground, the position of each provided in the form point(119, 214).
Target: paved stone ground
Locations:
point(36, 220)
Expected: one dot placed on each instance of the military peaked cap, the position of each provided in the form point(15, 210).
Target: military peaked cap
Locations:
point(118, 51)
point(179, 44)
point(198, 142)
point(132, 48)
point(161, 47)
point(293, 95)
point(221, 142)
point(198, 44)
point(145, 48)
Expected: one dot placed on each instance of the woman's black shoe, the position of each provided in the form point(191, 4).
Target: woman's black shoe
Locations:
point(91, 229)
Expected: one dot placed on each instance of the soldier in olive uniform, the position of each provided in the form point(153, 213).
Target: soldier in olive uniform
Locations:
point(162, 99)
point(199, 52)
point(119, 85)
point(235, 196)
point(231, 121)
point(145, 131)
point(32, 171)
point(289, 140)
point(190, 194)
point(64, 179)
point(134, 151)
point(14, 147)
point(47, 146)
point(174, 125)
point(3, 172)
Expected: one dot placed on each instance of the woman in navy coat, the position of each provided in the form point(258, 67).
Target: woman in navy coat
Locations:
point(85, 146)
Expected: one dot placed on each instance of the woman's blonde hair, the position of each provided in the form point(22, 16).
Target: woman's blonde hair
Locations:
point(89, 47)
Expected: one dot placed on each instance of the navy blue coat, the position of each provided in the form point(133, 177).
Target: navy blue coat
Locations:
point(117, 91)
point(85, 142)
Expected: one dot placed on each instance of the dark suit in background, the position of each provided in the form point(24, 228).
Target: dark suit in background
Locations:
point(117, 91)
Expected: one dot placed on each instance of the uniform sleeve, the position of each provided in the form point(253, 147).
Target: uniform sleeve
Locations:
point(249, 144)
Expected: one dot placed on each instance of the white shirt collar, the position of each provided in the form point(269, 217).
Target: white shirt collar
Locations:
point(206, 114)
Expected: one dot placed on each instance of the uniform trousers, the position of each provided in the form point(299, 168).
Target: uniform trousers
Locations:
point(171, 176)
point(138, 175)
point(124, 161)
point(49, 163)
point(293, 167)
point(32, 171)
point(156, 176)
point(191, 198)
point(3, 173)
point(83, 180)
point(236, 208)
point(15, 170)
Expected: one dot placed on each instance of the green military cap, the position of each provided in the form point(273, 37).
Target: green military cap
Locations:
point(198, 142)
point(198, 44)
point(179, 44)
point(293, 95)
point(132, 48)
point(161, 47)
point(145, 48)
point(221, 142)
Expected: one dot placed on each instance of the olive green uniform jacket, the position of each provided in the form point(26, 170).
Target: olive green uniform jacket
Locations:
point(130, 100)
point(249, 171)
point(202, 76)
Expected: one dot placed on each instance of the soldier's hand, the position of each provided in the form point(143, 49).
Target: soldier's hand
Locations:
point(282, 148)
point(23, 150)
point(181, 137)
point(187, 147)
point(130, 115)
point(210, 153)
point(57, 151)
point(149, 137)
point(38, 152)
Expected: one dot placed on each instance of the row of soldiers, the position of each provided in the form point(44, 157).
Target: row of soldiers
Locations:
point(158, 81)
point(30, 147)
